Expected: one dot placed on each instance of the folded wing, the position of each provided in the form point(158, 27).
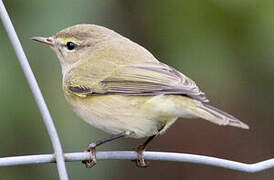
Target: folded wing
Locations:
point(151, 78)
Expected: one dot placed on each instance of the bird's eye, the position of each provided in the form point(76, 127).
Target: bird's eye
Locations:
point(70, 45)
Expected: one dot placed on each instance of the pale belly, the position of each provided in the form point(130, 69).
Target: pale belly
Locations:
point(115, 114)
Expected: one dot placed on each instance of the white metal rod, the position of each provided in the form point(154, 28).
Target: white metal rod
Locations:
point(148, 155)
point(35, 91)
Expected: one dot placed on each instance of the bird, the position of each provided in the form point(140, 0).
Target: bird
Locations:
point(118, 86)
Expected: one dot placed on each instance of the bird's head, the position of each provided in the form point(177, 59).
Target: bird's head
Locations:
point(77, 42)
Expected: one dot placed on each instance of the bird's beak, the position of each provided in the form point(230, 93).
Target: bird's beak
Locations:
point(45, 40)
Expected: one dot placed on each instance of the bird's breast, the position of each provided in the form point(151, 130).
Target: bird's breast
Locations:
point(117, 113)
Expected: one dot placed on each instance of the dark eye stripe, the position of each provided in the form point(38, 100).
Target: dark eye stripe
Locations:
point(76, 45)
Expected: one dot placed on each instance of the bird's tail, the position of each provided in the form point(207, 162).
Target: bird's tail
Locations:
point(188, 107)
point(185, 107)
point(217, 116)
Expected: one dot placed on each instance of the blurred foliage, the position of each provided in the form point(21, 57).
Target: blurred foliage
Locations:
point(225, 46)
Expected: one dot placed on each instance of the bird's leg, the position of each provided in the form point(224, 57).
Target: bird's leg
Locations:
point(92, 148)
point(140, 162)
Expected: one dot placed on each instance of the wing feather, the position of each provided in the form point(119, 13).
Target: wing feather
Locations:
point(147, 78)
point(151, 78)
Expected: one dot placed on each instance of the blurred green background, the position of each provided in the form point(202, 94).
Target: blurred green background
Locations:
point(226, 46)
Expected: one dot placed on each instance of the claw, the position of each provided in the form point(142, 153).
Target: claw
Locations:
point(92, 161)
point(140, 162)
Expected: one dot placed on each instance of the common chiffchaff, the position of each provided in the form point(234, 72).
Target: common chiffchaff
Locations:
point(119, 87)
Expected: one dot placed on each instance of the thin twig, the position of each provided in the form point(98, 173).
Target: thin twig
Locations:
point(148, 155)
point(35, 91)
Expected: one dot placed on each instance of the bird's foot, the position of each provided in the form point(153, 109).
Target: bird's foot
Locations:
point(92, 161)
point(140, 162)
